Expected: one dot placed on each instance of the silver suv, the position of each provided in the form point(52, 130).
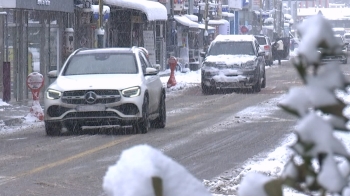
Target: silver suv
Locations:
point(235, 62)
point(109, 87)
point(265, 45)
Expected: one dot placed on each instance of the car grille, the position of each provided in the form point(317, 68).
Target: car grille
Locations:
point(102, 96)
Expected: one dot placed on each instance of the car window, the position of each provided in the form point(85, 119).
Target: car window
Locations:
point(261, 40)
point(347, 36)
point(101, 63)
point(232, 48)
point(144, 63)
point(339, 39)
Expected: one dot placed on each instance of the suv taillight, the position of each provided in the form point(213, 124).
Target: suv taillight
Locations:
point(266, 47)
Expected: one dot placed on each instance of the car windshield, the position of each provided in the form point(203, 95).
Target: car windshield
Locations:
point(261, 40)
point(339, 40)
point(232, 48)
point(101, 63)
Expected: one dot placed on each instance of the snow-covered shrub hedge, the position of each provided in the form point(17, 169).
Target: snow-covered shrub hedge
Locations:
point(320, 162)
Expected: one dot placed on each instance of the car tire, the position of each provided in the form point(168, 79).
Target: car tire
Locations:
point(142, 125)
point(263, 84)
point(53, 128)
point(257, 85)
point(345, 61)
point(206, 90)
point(160, 121)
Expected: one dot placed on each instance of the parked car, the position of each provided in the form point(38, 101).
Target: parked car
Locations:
point(343, 58)
point(347, 40)
point(233, 62)
point(265, 45)
point(105, 87)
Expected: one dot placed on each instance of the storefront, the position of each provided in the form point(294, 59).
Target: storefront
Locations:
point(34, 30)
point(136, 23)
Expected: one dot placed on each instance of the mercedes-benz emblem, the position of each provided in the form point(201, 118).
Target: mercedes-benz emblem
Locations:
point(90, 97)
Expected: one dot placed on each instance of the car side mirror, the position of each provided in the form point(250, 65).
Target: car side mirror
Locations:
point(157, 66)
point(202, 54)
point(53, 74)
point(151, 71)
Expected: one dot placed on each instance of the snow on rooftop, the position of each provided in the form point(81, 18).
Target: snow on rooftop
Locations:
point(234, 38)
point(330, 13)
point(153, 10)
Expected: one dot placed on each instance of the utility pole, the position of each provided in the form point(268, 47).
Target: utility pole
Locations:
point(100, 30)
point(206, 19)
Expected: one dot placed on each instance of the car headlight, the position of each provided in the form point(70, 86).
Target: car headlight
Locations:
point(53, 94)
point(131, 92)
point(249, 64)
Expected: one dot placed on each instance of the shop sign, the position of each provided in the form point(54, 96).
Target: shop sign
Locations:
point(43, 2)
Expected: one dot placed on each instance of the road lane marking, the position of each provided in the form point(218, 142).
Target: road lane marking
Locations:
point(69, 159)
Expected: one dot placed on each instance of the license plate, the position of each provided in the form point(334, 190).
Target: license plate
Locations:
point(88, 108)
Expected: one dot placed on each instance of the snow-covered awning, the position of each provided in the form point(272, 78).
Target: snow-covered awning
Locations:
point(185, 21)
point(96, 8)
point(153, 10)
point(228, 14)
point(217, 22)
point(202, 26)
point(192, 17)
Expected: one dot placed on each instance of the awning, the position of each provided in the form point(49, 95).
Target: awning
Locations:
point(153, 10)
point(228, 14)
point(202, 26)
point(192, 17)
point(185, 21)
point(217, 22)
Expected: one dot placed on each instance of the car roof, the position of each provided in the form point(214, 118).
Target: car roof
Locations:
point(105, 50)
point(236, 38)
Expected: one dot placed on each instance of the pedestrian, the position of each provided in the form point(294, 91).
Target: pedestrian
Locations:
point(279, 48)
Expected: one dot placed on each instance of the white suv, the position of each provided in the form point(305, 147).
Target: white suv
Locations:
point(115, 87)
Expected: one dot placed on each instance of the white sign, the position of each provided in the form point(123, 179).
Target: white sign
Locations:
point(235, 4)
point(256, 4)
point(43, 2)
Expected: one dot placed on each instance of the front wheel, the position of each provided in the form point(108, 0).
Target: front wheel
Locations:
point(345, 61)
point(160, 121)
point(142, 125)
point(263, 85)
point(206, 90)
point(53, 128)
point(257, 86)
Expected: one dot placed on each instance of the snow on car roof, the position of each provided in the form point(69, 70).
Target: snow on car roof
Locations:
point(234, 38)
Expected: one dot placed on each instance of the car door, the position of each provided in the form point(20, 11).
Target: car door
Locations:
point(153, 83)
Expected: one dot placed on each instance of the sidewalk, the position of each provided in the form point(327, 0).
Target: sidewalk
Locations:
point(13, 112)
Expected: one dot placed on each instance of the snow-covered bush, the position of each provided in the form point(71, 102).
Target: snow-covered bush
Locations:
point(145, 171)
point(320, 162)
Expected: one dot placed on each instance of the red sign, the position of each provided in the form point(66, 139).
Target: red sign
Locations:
point(244, 29)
